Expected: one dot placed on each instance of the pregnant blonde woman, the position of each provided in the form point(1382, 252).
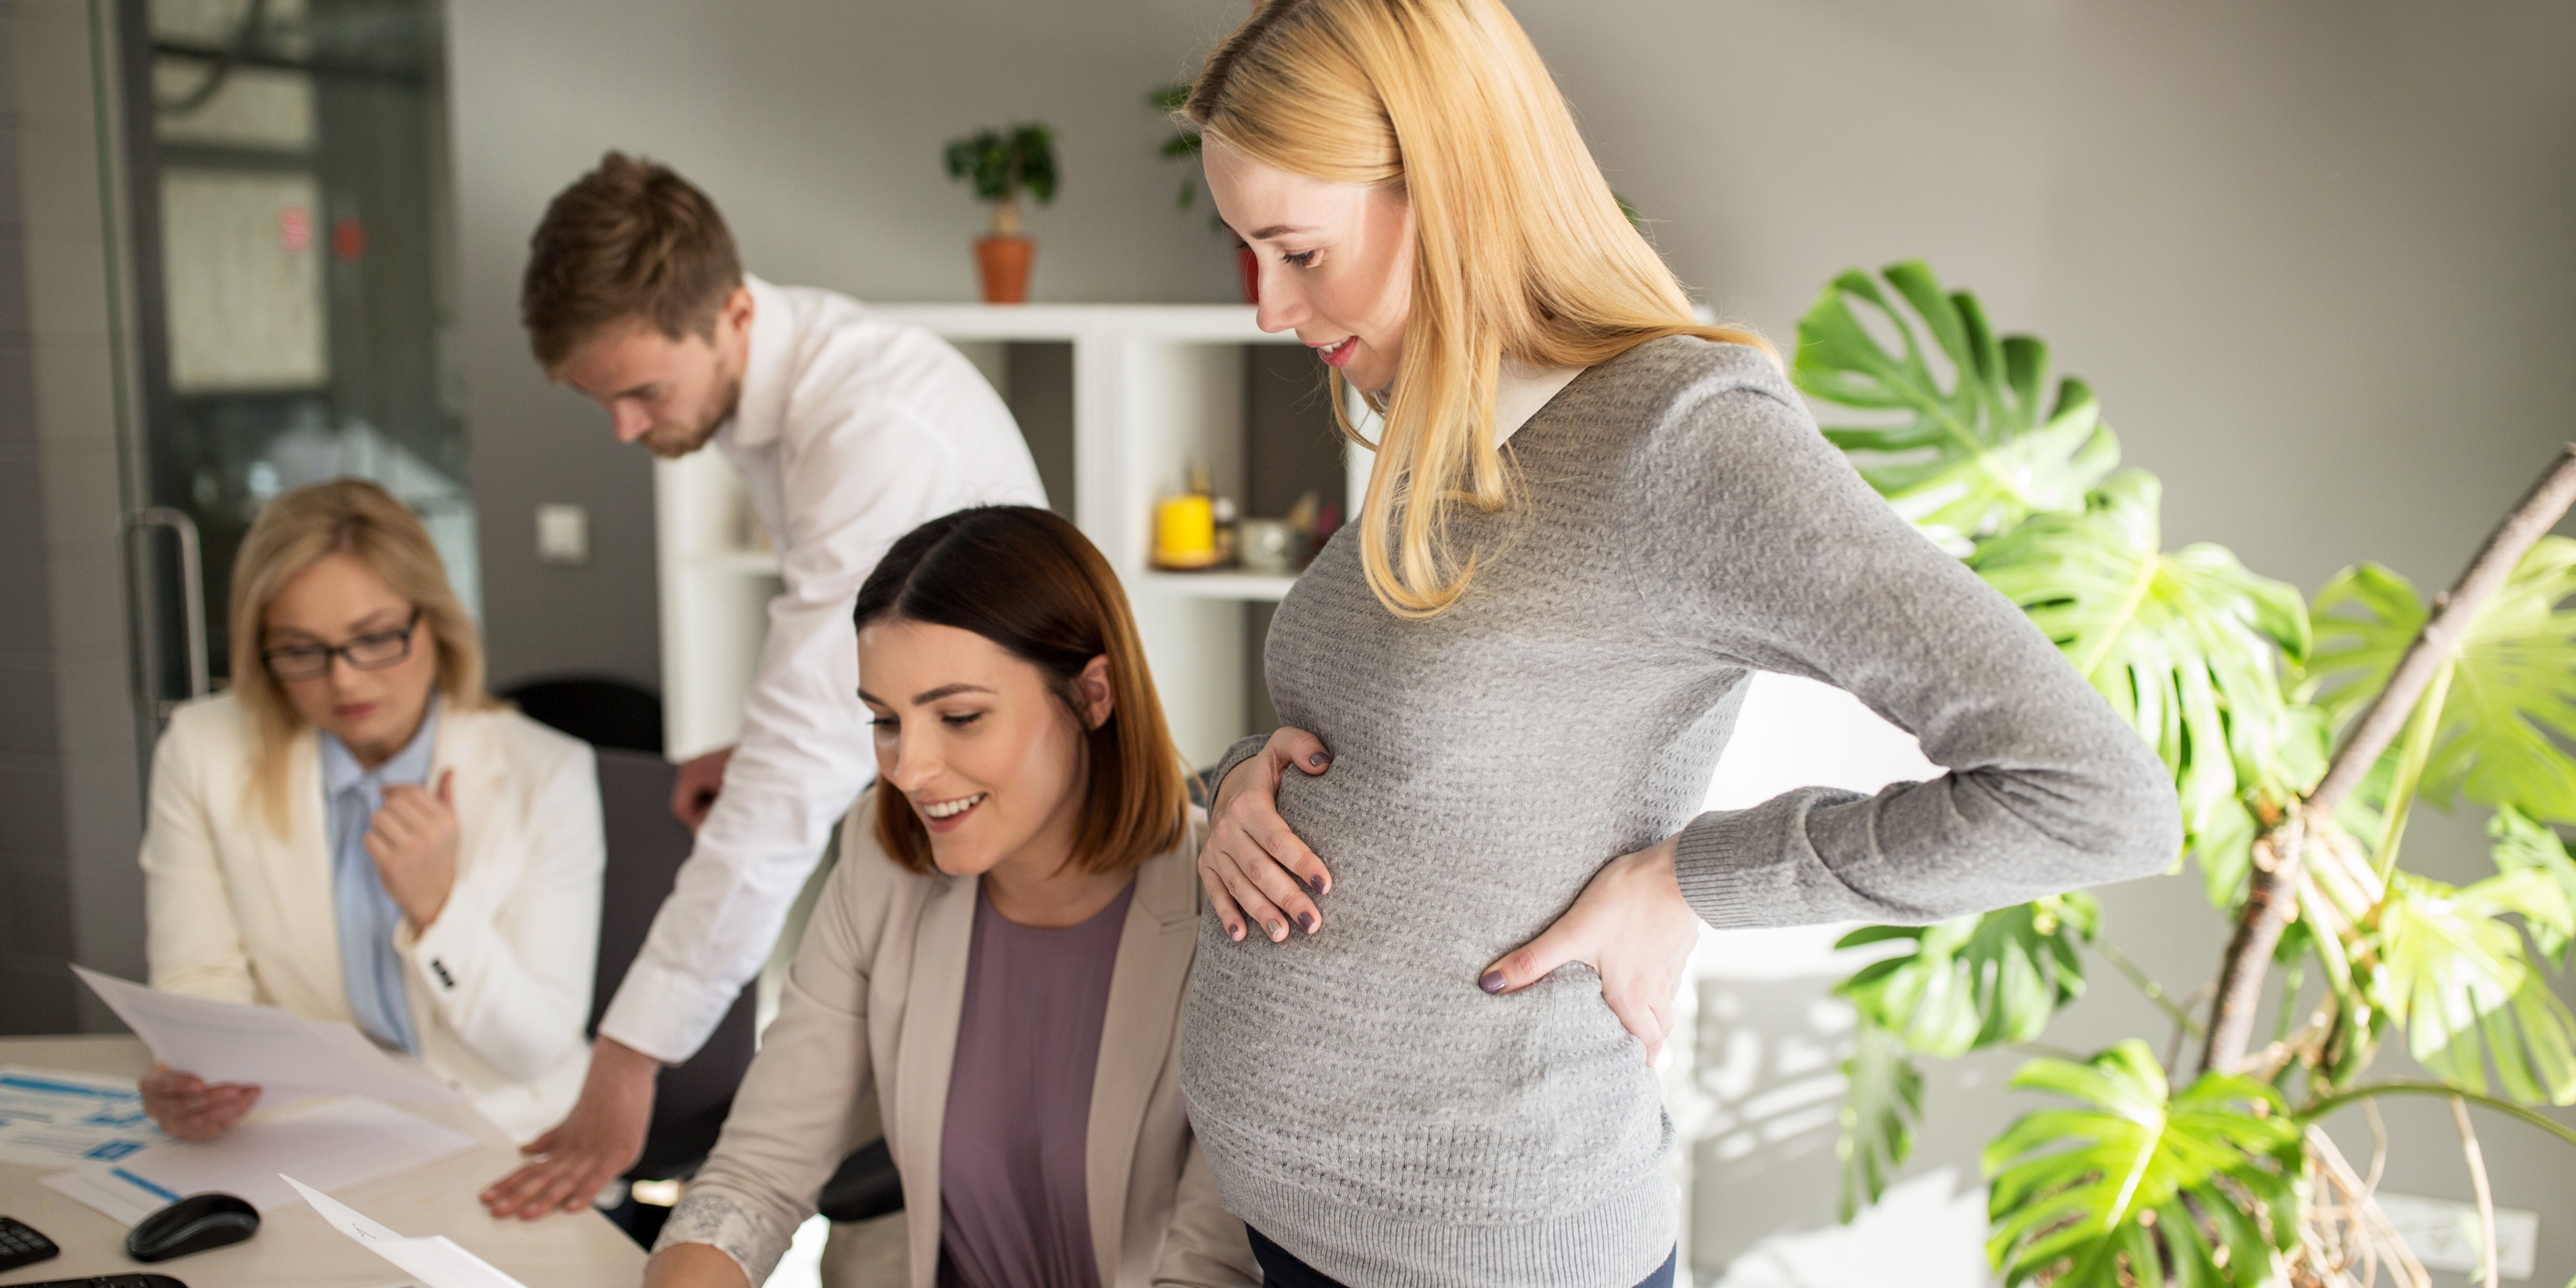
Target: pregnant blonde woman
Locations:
point(1451, 902)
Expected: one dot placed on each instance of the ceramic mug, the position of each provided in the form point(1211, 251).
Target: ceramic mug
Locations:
point(1268, 546)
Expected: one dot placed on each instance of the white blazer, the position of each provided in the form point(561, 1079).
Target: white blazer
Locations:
point(852, 430)
point(499, 985)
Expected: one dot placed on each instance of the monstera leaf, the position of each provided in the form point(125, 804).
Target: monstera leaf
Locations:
point(2513, 684)
point(1975, 981)
point(1967, 460)
point(2522, 845)
point(2183, 644)
point(2456, 979)
point(1883, 1100)
point(2140, 1188)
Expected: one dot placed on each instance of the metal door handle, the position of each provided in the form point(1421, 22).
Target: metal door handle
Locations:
point(192, 597)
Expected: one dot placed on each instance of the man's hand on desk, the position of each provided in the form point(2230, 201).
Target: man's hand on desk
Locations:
point(600, 1138)
point(693, 796)
point(187, 1107)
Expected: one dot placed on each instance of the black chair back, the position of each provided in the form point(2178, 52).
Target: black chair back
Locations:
point(645, 849)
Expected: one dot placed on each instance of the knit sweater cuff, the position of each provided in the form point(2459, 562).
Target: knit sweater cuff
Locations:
point(1244, 749)
point(1717, 860)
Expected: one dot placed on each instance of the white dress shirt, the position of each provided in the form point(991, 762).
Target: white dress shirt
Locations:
point(852, 430)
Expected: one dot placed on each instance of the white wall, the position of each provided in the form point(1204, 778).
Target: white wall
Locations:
point(2315, 254)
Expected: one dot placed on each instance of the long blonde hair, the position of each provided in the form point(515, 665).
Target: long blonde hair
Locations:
point(299, 529)
point(1519, 246)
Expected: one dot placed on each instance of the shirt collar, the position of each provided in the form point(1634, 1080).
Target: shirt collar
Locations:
point(762, 406)
point(1520, 390)
point(340, 770)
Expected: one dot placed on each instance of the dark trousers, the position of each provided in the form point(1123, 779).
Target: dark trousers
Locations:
point(1279, 1269)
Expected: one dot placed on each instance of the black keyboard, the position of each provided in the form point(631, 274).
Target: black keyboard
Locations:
point(111, 1281)
point(21, 1245)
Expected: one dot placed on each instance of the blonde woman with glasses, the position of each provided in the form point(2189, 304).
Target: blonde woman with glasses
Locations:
point(356, 831)
point(1451, 902)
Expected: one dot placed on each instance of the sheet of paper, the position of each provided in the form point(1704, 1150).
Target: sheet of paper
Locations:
point(276, 1049)
point(436, 1262)
point(52, 1118)
point(339, 1142)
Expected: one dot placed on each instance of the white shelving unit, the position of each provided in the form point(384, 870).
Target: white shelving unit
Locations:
point(1154, 388)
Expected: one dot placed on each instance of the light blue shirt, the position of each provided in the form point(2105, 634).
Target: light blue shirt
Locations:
point(370, 966)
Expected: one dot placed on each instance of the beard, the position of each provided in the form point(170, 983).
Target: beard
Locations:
point(671, 440)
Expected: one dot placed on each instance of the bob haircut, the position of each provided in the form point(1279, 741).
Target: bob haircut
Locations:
point(1519, 247)
point(1030, 582)
point(298, 529)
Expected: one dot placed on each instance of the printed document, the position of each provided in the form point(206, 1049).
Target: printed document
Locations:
point(437, 1262)
point(339, 1142)
point(51, 1118)
point(263, 1045)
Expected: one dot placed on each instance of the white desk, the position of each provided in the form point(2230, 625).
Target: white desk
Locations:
point(293, 1248)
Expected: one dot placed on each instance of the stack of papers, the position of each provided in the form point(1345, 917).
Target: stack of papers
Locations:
point(53, 1119)
point(271, 1048)
point(339, 1142)
point(437, 1262)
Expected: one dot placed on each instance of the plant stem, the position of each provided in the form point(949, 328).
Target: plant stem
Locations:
point(2146, 984)
point(2478, 1181)
point(2410, 771)
point(2318, 1111)
point(2273, 889)
point(2294, 977)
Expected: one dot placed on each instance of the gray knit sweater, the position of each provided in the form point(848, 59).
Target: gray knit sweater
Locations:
point(1362, 1102)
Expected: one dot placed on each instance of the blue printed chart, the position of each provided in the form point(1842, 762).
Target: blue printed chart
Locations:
point(50, 1118)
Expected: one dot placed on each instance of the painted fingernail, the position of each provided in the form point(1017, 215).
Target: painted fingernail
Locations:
point(1278, 931)
point(1306, 922)
point(1316, 884)
point(1236, 932)
point(1492, 982)
point(1319, 760)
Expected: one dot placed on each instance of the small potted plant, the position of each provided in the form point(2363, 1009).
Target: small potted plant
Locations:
point(1185, 142)
point(1002, 165)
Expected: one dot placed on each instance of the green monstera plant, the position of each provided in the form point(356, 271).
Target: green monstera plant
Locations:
point(2299, 737)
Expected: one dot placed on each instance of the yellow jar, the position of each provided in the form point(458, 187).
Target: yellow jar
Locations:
point(1185, 532)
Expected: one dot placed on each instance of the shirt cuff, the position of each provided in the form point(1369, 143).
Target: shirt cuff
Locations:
point(731, 1227)
point(664, 1013)
point(445, 953)
point(1715, 862)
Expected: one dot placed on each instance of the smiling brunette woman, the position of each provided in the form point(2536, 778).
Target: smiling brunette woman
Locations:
point(356, 832)
point(1590, 518)
point(997, 961)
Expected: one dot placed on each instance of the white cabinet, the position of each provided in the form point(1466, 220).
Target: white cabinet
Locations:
point(1153, 388)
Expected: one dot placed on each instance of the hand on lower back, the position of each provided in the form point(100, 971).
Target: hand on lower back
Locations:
point(1254, 869)
point(1631, 925)
point(597, 1141)
point(701, 779)
point(189, 1108)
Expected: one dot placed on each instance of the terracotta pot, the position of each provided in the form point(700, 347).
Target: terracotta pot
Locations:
point(1250, 263)
point(1002, 265)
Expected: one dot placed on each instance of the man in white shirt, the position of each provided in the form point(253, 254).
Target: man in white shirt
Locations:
point(849, 429)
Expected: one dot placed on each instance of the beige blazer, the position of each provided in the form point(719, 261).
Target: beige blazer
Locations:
point(499, 985)
point(868, 1021)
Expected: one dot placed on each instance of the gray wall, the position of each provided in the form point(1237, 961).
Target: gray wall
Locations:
point(70, 806)
point(2316, 256)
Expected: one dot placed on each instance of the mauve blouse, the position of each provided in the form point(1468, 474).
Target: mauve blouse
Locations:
point(1013, 1208)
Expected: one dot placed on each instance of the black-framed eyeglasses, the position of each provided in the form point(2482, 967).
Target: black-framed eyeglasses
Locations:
point(373, 651)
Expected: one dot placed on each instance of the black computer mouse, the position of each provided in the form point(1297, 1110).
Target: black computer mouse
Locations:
point(193, 1224)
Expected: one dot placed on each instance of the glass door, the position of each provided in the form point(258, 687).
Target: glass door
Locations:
point(287, 172)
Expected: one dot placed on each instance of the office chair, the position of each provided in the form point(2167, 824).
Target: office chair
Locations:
point(645, 849)
point(600, 711)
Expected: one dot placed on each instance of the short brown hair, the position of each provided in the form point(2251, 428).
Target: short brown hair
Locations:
point(630, 239)
point(298, 529)
point(1029, 581)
